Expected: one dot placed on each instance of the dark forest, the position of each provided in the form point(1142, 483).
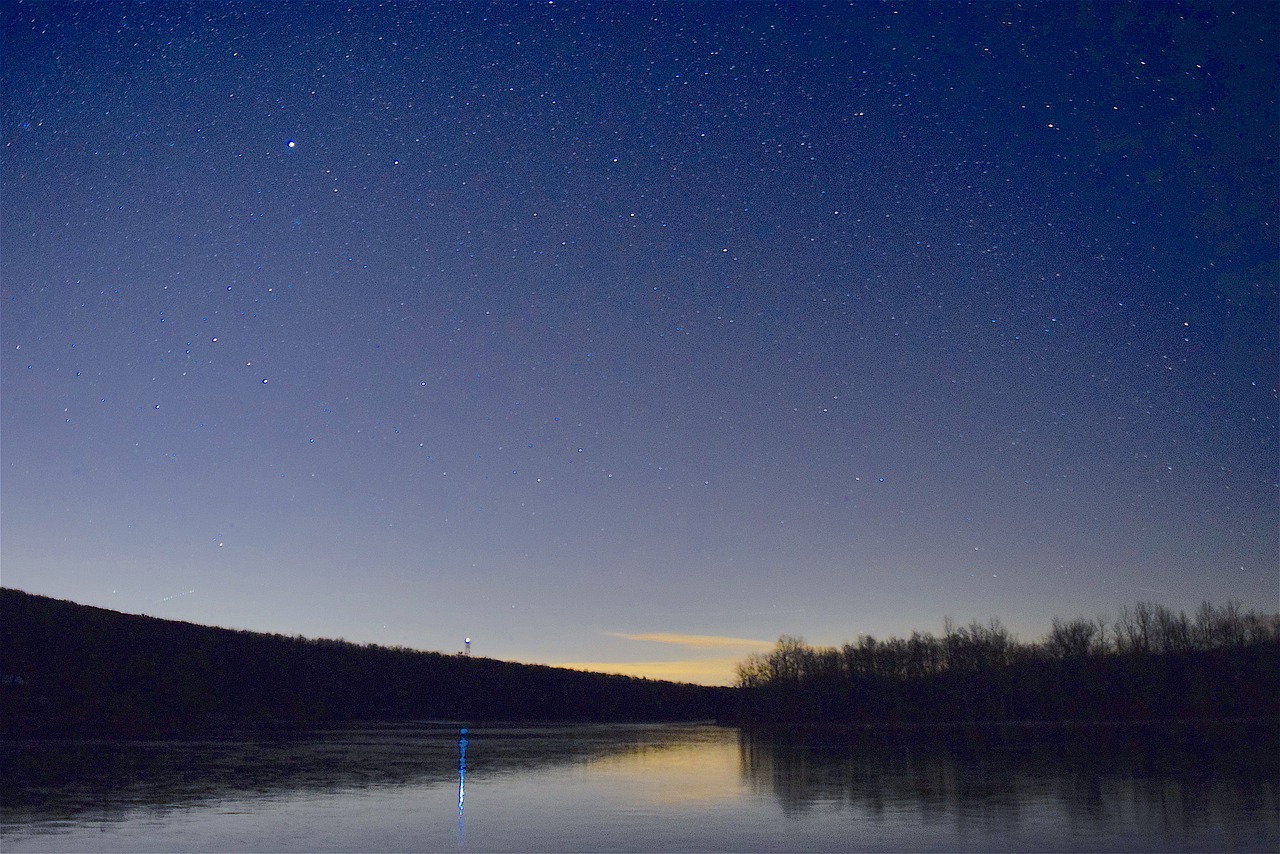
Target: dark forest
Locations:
point(74, 670)
point(70, 669)
point(1148, 664)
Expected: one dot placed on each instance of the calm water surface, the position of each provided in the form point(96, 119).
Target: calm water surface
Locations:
point(432, 787)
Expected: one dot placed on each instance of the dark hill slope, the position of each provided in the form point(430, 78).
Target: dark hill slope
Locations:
point(74, 669)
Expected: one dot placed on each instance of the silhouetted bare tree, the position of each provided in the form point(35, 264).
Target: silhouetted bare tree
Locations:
point(1160, 664)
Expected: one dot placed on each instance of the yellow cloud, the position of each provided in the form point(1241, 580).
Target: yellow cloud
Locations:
point(694, 641)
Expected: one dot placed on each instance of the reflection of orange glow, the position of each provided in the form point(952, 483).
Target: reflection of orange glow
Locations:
point(700, 773)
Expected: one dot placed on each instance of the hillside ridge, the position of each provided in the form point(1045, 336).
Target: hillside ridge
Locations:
point(71, 669)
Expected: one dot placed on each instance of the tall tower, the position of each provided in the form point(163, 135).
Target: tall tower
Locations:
point(466, 649)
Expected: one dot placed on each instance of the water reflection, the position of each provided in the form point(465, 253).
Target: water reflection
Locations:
point(462, 780)
point(62, 780)
point(600, 787)
point(1174, 791)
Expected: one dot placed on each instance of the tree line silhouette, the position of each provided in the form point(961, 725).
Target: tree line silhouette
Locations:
point(1149, 663)
point(71, 669)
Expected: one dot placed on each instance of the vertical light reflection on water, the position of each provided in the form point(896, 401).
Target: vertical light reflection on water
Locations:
point(462, 783)
point(654, 788)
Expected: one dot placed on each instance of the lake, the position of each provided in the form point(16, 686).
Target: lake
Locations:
point(434, 787)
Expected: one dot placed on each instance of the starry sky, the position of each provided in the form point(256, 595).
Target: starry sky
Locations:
point(634, 335)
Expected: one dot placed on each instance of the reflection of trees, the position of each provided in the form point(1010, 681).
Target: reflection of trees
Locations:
point(875, 779)
point(60, 779)
point(1099, 777)
point(50, 779)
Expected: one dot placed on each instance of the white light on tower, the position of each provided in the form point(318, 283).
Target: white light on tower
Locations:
point(467, 647)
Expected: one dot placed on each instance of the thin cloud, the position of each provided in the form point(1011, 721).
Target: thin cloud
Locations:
point(694, 641)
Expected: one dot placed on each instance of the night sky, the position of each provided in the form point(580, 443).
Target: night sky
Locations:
point(633, 336)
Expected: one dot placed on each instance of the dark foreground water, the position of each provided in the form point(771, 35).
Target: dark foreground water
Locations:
point(431, 787)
